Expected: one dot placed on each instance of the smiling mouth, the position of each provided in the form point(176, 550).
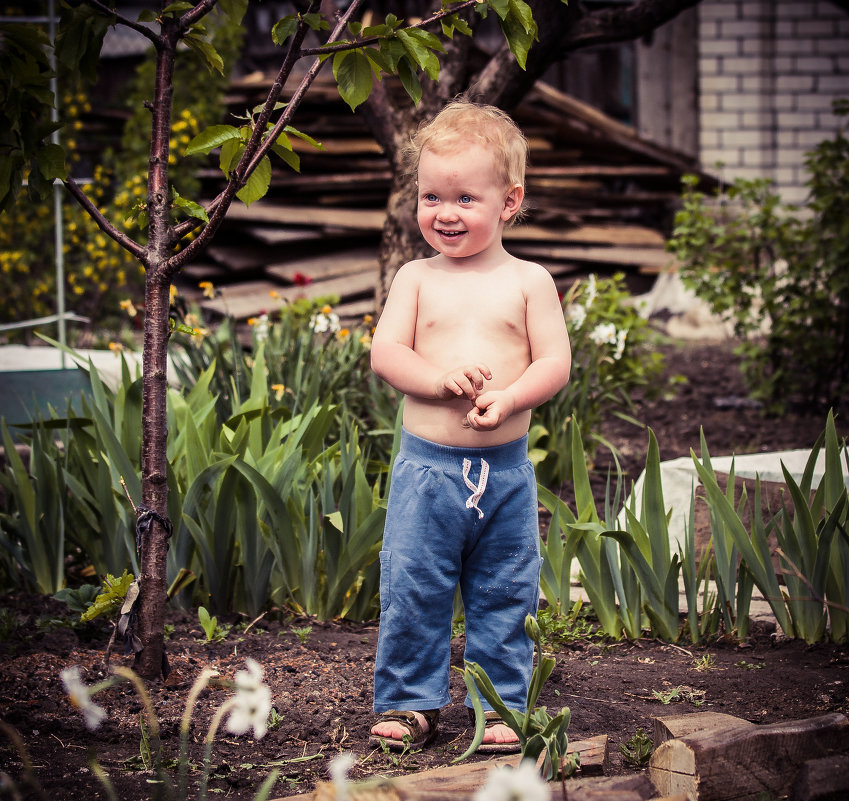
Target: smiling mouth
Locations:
point(450, 234)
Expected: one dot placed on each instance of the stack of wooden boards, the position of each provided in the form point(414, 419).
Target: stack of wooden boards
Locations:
point(601, 200)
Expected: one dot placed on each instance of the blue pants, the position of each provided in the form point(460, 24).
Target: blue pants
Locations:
point(466, 515)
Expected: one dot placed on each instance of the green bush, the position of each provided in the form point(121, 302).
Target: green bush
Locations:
point(780, 276)
point(612, 356)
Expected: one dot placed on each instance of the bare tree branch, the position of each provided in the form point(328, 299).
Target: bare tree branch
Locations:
point(102, 223)
point(136, 26)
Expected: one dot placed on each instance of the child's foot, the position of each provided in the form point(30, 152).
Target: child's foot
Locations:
point(498, 737)
point(500, 734)
point(399, 730)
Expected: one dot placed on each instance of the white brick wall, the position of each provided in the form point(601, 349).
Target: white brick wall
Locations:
point(768, 71)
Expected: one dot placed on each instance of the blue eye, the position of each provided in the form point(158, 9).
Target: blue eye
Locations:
point(465, 199)
point(430, 197)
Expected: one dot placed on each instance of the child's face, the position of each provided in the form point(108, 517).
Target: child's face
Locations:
point(461, 207)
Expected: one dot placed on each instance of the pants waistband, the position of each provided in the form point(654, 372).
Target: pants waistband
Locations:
point(447, 457)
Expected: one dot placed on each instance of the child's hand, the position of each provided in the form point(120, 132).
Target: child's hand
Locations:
point(491, 409)
point(460, 381)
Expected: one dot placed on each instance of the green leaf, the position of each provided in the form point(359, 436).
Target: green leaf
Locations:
point(316, 22)
point(234, 9)
point(209, 54)
point(353, 75)
point(409, 80)
point(210, 138)
point(190, 207)
point(257, 184)
point(291, 158)
point(420, 46)
point(283, 29)
point(306, 137)
point(51, 161)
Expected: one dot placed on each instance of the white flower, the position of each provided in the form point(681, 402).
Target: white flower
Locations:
point(252, 702)
point(592, 290)
point(80, 697)
point(506, 783)
point(604, 334)
point(339, 768)
point(621, 337)
point(577, 315)
point(322, 322)
point(261, 328)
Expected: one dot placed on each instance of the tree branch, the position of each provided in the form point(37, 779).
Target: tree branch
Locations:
point(198, 12)
point(136, 26)
point(102, 223)
point(436, 17)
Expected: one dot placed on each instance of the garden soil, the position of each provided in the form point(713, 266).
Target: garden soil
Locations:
point(321, 687)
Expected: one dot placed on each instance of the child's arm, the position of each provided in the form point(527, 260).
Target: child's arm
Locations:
point(395, 361)
point(551, 360)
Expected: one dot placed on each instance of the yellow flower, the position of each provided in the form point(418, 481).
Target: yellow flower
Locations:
point(279, 389)
point(342, 334)
point(127, 306)
point(368, 319)
point(208, 289)
point(116, 347)
point(274, 293)
point(172, 294)
point(252, 320)
point(326, 309)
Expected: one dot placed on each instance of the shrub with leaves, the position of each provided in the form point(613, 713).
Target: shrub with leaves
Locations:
point(612, 357)
point(779, 274)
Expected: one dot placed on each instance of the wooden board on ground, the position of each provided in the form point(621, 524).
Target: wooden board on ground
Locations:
point(741, 762)
point(457, 782)
point(671, 726)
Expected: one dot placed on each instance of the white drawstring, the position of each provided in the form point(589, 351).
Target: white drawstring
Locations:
point(477, 491)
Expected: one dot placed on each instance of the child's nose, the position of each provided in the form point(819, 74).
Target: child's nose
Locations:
point(446, 213)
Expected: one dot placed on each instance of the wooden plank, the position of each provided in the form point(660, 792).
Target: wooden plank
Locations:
point(309, 216)
point(251, 298)
point(272, 235)
point(759, 759)
point(238, 259)
point(825, 779)
point(671, 726)
point(630, 235)
point(457, 782)
point(642, 257)
point(329, 265)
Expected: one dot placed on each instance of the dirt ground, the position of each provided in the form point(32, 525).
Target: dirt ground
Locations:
point(322, 687)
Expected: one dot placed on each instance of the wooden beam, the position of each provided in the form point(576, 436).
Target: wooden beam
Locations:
point(631, 235)
point(742, 762)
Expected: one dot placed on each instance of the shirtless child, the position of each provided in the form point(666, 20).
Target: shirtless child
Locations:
point(474, 338)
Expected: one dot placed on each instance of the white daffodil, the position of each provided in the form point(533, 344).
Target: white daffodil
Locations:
point(577, 315)
point(339, 768)
point(80, 697)
point(604, 334)
point(252, 702)
point(621, 337)
point(506, 783)
point(592, 290)
point(325, 320)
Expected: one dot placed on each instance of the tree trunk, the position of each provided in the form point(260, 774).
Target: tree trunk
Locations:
point(152, 526)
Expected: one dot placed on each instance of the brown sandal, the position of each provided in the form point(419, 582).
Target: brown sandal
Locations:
point(492, 718)
point(417, 738)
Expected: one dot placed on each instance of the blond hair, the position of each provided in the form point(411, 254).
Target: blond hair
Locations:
point(463, 123)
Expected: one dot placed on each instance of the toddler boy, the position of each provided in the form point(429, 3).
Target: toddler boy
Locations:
point(474, 338)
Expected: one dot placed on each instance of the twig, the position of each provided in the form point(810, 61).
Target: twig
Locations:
point(806, 581)
point(127, 493)
point(256, 620)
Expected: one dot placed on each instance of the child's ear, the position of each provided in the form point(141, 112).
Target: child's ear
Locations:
point(513, 202)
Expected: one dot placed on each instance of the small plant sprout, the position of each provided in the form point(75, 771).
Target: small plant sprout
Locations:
point(80, 696)
point(252, 702)
point(637, 750)
point(339, 767)
point(522, 783)
point(302, 633)
point(707, 662)
point(666, 697)
point(213, 632)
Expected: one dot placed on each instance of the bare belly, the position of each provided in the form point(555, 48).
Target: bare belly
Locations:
point(445, 422)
